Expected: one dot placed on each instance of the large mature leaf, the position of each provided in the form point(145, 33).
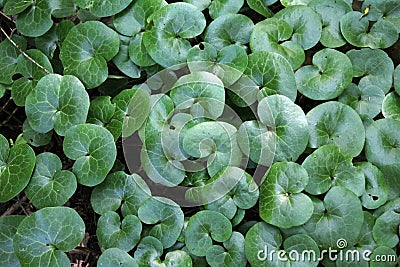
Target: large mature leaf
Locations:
point(114, 233)
point(391, 106)
point(173, 24)
point(120, 189)
point(373, 66)
point(338, 216)
point(58, 102)
point(221, 7)
point(387, 10)
point(16, 167)
point(328, 166)
point(93, 149)
point(8, 58)
point(103, 8)
point(382, 142)
point(229, 29)
point(43, 237)
point(306, 24)
point(331, 11)
point(230, 254)
point(329, 75)
point(34, 17)
point(281, 202)
point(204, 227)
point(336, 123)
point(273, 35)
point(386, 229)
point(50, 186)
point(115, 257)
point(167, 217)
point(356, 31)
point(86, 50)
point(8, 228)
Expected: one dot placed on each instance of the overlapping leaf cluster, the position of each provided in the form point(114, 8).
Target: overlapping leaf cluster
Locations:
point(315, 90)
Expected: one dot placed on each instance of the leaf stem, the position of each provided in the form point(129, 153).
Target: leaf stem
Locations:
point(23, 53)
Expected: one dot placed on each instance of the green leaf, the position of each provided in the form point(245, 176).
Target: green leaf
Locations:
point(34, 17)
point(382, 143)
point(306, 24)
point(272, 73)
point(8, 228)
point(392, 177)
point(43, 237)
point(114, 233)
point(227, 64)
point(123, 61)
point(58, 102)
point(396, 79)
point(376, 190)
point(86, 50)
point(16, 167)
point(383, 10)
point(281, 202)
point(93, 149)
point(173, 24)
point(339, 215)
point(167, 217)
point(331, 11)
point(8, 58)
point(115, 257)
point(204, 227)
point(103, 8)
point(261, 6)
point(50, 186)
point(287, 3)
point(391, 106)
point(373, 66)
point(328, 166)
point(336, 123)
point(383, 252)
point(289, 125)
point(221, 7)
point(120, 190)
point(386, 229)
point(357, 32)
point(138, 53)
point(366, 99)
point(324, 79)
point(273, 35)
point(34, 138)
point(31, 74)
point(230, 254)
point(229, 29)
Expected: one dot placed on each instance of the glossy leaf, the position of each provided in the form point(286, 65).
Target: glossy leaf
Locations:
point(34, 138)
point(8, 58)
point(115, 257)
point(8, 228)
point(386, 229)
point(383, 10)
point(230, 254)
point(391, 106)
point(221, 7)
point(103, 8)
point(123, 61)
point(261, 6)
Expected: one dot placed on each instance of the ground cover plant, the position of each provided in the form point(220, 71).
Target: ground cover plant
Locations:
point(199, 133)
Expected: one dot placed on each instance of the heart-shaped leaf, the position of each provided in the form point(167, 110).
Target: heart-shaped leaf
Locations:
point(103, 8)
point(8, 228)
point(329, 75)
point(114, 233)
point(16, 167)
point(382, 143)
point(391, 106)
point(118, 189)
point(306, 24)
point(230, 254)
point(328, 166)
point(8, 58)
point(167, 216)
point(386, 229)
point(43, 237)
point(58, 102)
point(174, 23)
point(115, 257)
point(93, 149)
point(86, 50)
point(221, 7)
point(281, 202)
point(273, 35)
point(356, 31)
point(229, 29)
point(204, 227)
point(336, 123)
point(50, 186)
point(338, 215)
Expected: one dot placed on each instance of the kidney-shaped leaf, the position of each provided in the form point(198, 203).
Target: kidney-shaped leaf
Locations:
point(94, 151)
point(86, 50)
point(338, 124)
point(43, 237)
point(281, 202)
point(8, 228)
point(50, 186)
point(58, 102)
point(16, 167)
point(115, 257)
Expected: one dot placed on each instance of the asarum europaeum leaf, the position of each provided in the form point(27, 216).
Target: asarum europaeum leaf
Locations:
point(9, 58)
point(391, 106)
point(383, 10)
point(8, 228)
point(115, 257)
point(103, 8)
